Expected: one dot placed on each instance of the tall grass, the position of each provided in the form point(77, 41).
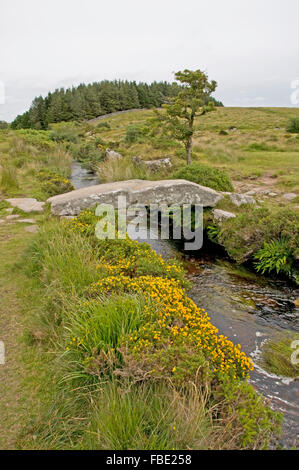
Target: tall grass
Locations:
point(148, 416)
point(9, 180)
point(120, 169)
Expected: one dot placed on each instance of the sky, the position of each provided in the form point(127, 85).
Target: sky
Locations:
point(250, 47)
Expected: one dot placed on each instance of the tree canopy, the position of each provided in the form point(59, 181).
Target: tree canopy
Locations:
point(89, 101)
point(193, 99)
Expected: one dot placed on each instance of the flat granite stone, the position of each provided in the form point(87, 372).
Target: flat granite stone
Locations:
point(289, 196)
point(27, 221)
point(220, 215)
point(13, 216)
point(26, 204)
point(170, 192)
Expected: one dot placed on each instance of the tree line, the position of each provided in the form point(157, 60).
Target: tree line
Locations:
point(90, 101)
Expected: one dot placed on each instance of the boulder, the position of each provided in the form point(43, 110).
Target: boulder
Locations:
point(113, 155)
point(221, 215)
point(137, 192)
point(239, 199)
point(154, 165)
point(26, 204)
point(289, 196)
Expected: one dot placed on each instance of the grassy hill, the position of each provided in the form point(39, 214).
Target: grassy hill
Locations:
point(256, 149)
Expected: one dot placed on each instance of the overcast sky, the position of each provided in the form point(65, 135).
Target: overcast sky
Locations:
point(250, 47)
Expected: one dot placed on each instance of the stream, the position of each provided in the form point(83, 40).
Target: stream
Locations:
point(81, 177)
point(247, 308)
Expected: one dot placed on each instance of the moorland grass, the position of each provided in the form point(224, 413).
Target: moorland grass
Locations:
point(93, 388)
point(277, 355)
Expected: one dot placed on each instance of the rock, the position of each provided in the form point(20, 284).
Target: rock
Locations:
point(153, 165)
point(11, 217)
point(31, 228)
point(156, 165)
point(112, 154)
point(289, 196)
point(9, 210)
point(239, 199)
point(137, 192)
point(221, 215)
point(252, 192)
point(26, 204)
point(273, 194)
point(2, 221)
point(27, 221)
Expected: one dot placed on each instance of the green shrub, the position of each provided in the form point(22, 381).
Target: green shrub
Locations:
point(135, 132)
point(222, 132)
point(246, 234)
point(261, 146)
point(293, 125)
point(206, 176)
point(64, 132)
point(275, 255)
point(89, 153)
point(251, 422)
point(103, 125)
point(39, 139)
point(4, 125)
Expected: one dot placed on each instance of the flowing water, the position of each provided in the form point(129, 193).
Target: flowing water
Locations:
point(81, 177)
point(249, 310)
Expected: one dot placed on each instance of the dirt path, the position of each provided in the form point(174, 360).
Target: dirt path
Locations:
point(106, 116)
point(12, 405)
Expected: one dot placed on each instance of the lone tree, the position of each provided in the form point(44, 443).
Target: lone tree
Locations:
point(191, 101)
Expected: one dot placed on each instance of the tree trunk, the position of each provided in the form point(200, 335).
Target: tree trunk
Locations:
point(190, 140)
point(189, 150)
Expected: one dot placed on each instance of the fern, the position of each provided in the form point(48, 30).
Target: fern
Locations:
point(275, 255)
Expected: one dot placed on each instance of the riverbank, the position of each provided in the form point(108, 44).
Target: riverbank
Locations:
point(58, 270)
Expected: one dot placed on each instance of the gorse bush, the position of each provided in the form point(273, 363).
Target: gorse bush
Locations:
point(53, 183)
point(293, 125)
point(206, 176)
